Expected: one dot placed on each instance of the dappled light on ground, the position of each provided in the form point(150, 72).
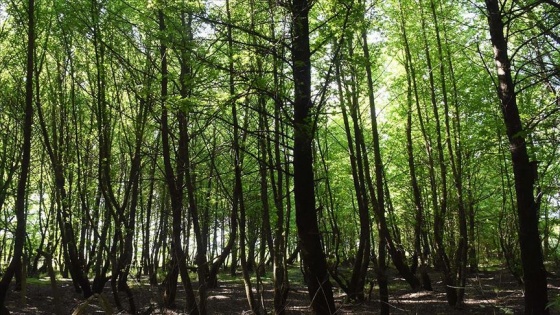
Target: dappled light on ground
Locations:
point(486, 293)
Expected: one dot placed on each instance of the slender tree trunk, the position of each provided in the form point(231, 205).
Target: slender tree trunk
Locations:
point(21, 216)
point(238, 199)
point(146, 259)
point(534, 273)
point(174, 180)
point(473, 259)
point(55, 145)
point(455, 157)
point(440, 212)
point(185, 91)
point(280, 276)
point(171, 278)
point(377, 197)
point(355, 287)
point(420, 253)
point(397, 255)
point(266, 240)
point(438, 232)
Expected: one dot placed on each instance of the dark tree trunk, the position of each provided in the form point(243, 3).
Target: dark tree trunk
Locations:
point(185, 91)
point(280, 276)
point(440, 213)
point(355, 288)
point(473, 259)
point(534, 273)
point(175, 184)
point(420, 253)
point(455, 158)
point(397, 255)
point(55, 145)
point(19, 237)
point(238, 199)
point(315, 265)
point(147, 262)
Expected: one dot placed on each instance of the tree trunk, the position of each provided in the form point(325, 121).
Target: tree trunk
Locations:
point(319, 285)
point(21, 216)
point(534, 273)
point(420, 254)
point(455, 158)
point(280, 273)
point(397, 255)
point(238, 200)
point(185, 91)
point(440, 212)
point(55, 147)
point(355, 287)
point(174, 182)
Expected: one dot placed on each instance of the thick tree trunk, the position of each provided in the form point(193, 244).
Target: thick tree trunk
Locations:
point(315, 265)
point(534, 273)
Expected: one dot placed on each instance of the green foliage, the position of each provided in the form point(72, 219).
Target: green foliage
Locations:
point(98, 87)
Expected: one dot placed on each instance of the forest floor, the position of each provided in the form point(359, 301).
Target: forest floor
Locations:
point(490, 292)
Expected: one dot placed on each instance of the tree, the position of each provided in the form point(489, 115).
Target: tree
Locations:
point(175, 182)
point(173, 137)
point(15, 265)
point(534, 273)
point(318, 283)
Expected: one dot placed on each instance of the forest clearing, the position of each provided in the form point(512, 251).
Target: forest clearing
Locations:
point(279, 156)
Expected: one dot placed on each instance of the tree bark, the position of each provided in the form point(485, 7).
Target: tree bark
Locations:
point(534, 273)
point(355, 288)
point(315, 265)
point(440, 212)
point(238, 199)
point(420, 252)
point(455, 159)
point(175, 183)
point(21, 216)
point(280, 273)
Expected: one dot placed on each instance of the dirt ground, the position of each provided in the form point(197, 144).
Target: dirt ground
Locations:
point(486, 293)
